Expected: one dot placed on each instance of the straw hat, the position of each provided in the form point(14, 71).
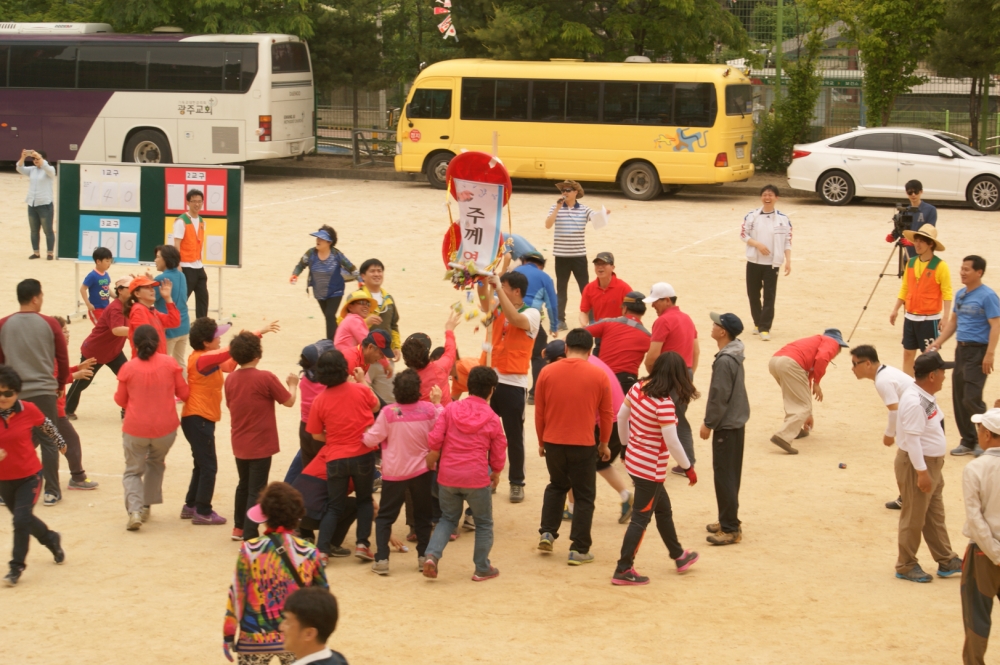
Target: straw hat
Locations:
point(927, 231)
point(355, 297)
point(571, 184)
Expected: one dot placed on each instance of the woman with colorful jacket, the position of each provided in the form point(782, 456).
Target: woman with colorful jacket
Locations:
point(328, 268)
point(268, 570)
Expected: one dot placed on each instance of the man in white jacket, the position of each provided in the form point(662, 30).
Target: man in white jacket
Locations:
point(768, 236)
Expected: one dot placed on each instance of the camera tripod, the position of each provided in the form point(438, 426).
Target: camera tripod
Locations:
point(901, 258)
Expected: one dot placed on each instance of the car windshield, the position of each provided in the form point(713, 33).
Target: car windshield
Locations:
point(967, 149)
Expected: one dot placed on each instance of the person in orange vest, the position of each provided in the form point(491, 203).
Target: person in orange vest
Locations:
point(926, 292)
point(515, 326)
point(189, 238)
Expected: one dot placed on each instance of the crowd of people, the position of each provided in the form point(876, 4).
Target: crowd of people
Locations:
point(607, 389)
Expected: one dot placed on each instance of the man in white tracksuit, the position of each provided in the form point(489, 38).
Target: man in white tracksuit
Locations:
point(768, 236)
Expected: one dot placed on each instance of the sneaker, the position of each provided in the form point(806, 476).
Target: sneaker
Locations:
point(959, 451)
point(340, 552)
point(381, 567)
point(627, 509)
point(211, 520)
point(85, 484)
point(430, 568)
point(144, 513)
point(51, 499)
point(756, 331)
point(567, 514)
point(895, 504)
point(686, 560)
point(469, 523)
point(411, 537)
point(237, 534)
point(187, 512)
point(531, 400)
point(562, 324)
point(545, 542)
point(765, 336)
point(714, 527)
point(803, 433)
point(420, 562)
point(11, 578)
point(916, 574)
point(783, 445)
point(725, 537)
point(489, 575)
point(70, 416)
point(578, 559)
point(59, 556)
point(629, 578)
point(363, 553)
point(134, 521)
point(678, 471)
point(30, 258)
point(953, 567)
point(377, 484)
point(516, 493)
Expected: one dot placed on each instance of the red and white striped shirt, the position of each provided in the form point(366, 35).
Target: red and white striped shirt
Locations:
point(647, 451)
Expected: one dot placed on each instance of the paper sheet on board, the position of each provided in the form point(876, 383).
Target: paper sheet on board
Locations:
point(109, 239)
point(175, 197)
point(214, 248)
point(128, 245)
point(109, 195)
point(129, 196)
point(90, 194)
point(215, 198)
point(90, 241)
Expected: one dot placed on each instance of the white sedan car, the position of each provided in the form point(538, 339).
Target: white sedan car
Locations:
point(879, 162)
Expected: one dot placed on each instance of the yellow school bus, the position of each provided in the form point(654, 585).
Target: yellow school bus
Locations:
point(649, 127)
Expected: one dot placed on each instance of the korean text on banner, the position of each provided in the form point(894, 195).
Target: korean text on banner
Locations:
point(480, 205)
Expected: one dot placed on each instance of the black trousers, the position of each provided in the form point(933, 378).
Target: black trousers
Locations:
point(566, 265)
point(20, 496)
point(309, 446)
point(570, 468)
point(253, 479)
point(537, 361)
point(339, 473)
point(79, 385)
point(197, 281)
point(967, 383)
point(393, 497)
point(50, 451)
point(650, 499)
point(762, 277)
point(508, 403)
point(309, 525)
point(329, 307)
point(200, 434)
point(727, 465)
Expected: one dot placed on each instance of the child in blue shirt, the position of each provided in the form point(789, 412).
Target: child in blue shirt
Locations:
point(96, 288)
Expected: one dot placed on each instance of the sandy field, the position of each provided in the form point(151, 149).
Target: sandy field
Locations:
point(812, 580)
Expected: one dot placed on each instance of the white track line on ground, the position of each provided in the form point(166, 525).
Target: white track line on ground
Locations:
point(275, 203)
point(734, 257)
point(720, 233)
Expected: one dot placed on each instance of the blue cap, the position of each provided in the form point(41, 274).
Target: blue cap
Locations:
point(834, 333)
point(311, 354)
point(381, 340)
point(322, 235)
point(554, 350)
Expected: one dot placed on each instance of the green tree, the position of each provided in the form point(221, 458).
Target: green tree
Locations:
point(893, 37)
point(209, 16)
point(47, 11)
point(968, 46)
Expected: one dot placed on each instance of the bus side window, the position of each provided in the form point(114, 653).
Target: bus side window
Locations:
point(656, 102)
point(112, 67)
point(43, 67)
point(189, 68)
point(4, 54)
point(478, 96)
point(694, 105)
point(249, 68)
point(621, 103)
point(430, 104)
point(232, 72)
point(583, 101)
point(548, 101)
point(512, 99)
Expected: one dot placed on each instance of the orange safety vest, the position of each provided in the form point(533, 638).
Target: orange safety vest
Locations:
point(191, 243)
point(511, 346)
point(923, 296)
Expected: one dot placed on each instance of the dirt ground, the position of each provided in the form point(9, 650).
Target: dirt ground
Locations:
point(812, 580)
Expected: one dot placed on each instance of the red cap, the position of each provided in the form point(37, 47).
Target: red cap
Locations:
point(141, 281)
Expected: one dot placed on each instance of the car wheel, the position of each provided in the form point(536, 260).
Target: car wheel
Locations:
point(984, 193)
point(640, 181)
point(437, 170)
point(148, 147)
point(835, 188)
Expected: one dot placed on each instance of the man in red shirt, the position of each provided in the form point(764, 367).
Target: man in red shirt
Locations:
point(798, 368)
point(602, 298)
point(674, 330)
point(565, 390)
point(624, 340)
point(374, 348)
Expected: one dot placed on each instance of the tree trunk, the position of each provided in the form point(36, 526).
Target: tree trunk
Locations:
point(354, 103)
point(975, 97)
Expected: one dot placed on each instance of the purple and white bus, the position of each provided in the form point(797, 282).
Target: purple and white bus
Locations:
point(82, 94)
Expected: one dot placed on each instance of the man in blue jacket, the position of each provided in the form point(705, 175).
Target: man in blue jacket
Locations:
point(541, 291)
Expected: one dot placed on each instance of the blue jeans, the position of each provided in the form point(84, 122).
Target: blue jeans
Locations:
point(481, 502)
point(339, 473)
point(39, 218)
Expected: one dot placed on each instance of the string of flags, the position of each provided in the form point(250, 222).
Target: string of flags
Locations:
point(446, 27)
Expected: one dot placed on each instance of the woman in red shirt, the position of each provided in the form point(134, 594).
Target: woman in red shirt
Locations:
point(20, 472)
point(417, 356)
point(139, 310)
point(147, 388)
point(648, 422)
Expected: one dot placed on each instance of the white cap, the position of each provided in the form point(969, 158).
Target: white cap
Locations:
point(659, 291)
point(990, 420)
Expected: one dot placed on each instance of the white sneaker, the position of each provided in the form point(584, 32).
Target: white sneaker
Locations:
point(765, 336)
point(134, 521)
point(469, 524)
point(144, 514)
point(756, 331)
point(381, 567)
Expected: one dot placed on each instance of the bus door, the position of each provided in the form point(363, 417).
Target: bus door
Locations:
point(428, 122)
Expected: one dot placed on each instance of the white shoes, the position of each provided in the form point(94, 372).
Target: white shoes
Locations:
point(134, 521)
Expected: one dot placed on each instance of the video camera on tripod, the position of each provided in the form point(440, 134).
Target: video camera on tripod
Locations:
point(903, 219)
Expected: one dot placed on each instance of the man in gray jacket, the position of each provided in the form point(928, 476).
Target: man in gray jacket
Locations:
point(726, 415)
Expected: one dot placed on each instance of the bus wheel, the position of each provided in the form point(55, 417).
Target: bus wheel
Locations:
point(148, 147)
point(437, 170)
point(640, 182)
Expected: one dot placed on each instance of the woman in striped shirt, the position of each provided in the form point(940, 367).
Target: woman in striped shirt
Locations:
point(648, 423)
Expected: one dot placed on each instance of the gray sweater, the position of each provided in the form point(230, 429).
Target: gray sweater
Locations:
point(33, 344)
point(728, 406)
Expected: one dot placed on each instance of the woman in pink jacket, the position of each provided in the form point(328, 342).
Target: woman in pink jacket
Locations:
point(417, 355)
point(147, 388)
point(353, 327)
point(402, 430)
